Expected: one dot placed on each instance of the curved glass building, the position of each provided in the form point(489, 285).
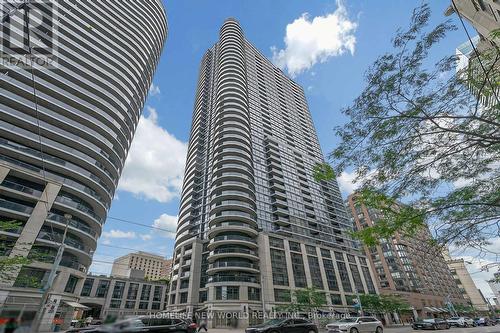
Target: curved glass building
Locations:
point(65, 129)
point(253, 224)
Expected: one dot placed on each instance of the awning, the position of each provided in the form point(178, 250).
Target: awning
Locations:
point(77, 305)
point(429, 309)
point(203, 308)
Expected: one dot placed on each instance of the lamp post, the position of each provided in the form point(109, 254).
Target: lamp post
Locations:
point(52, 275)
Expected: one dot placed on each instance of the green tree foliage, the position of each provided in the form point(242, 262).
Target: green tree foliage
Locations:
point(304, 300)
point(323, 171)
point(417, 134)
point(384, 304)
point(9, 265)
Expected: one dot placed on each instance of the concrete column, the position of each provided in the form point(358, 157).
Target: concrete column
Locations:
point(288, 257)
point(266, 273)
point(36, 220)
point(306, 265)
point(195, 273)
point(4, 171)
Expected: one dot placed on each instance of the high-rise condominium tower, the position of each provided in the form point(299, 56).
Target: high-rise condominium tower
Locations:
point(66, 131)
point(253, 223)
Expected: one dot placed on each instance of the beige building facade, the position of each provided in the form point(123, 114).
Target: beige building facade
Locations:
point(155, 267)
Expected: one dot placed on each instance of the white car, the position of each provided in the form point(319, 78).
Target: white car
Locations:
point(460, 321)
point(356, 325)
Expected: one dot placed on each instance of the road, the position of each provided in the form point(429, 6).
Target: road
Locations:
point(407, 329)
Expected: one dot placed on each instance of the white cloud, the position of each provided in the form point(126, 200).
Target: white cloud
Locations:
point(119, 234)
point(346, 182)
point(308, 42)
point(155, 164)
point(154, 90)
point(168, 223)
point(145, 237)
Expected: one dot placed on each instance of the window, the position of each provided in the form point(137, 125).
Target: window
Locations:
point(30, 278)
point(129, 304)
point(115, 303)
point(87, 287)
point(227, 293)
point(339, 256)
point(143, 305)
point(278, 264)
point(368, 280)
point(317, 281)
point(203, 296)
point(155, 306)
point(311, 250)
point(276, 242)
point(344, 277)
point(157, 294)
point(102, 289)
point(351, 258)
point(357, 278)
point(71, 284)
point(350, 300)
point(133, 289)
point(336, 299)
point(331, 278)
point(294, 246)
point(253, 294)
point(145, 292)
point(118, 290)
point(299, 274)
point(326, 253)
point(282, 295)
point(183, 298)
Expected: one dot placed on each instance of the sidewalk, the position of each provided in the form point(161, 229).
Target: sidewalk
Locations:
point(399, 329)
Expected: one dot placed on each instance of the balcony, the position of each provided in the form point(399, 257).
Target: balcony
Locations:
point(16, 207)
point(231, 266)
point(245, 228)
point(233, 240)
point(21, 188)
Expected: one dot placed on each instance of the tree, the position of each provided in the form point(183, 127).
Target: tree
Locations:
point(304, 300)
point(417, 134)
point(9, 266)
point(383, 304)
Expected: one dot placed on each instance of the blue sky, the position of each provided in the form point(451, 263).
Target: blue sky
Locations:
point(357, 34)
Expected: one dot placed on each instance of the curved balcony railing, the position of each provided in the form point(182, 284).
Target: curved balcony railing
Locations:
point(232, 278)
point(241, 264)
point(233, 250)
point(73, 223)
point(21, 188)
point(15, 206)
point(233, 237)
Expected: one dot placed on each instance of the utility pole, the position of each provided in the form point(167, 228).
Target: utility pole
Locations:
point(48, 285)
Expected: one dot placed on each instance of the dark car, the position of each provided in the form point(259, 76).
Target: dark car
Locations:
point(145, 325)
point(295, 325)
point(484, 321)
point(431, 324)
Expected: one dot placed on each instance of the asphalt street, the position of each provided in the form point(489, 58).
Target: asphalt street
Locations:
point(407, 329)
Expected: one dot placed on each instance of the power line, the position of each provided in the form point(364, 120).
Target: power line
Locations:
point(126, 248)
point(140, 224)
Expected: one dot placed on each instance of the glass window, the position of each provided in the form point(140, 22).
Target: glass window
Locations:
point(155, 306)
point(294, 246)
point(344, 277)
point(299, 274)
point(118, 290)
point(339, 256)
point(129, 304)
point(184, 298)
point(203, 296)
point(253, 294)
point(278, 264)
point(145, 292)
point(326, 253)
point(87, 287)
point(227, 293)
point(331, 278)
point(276, 242)
point(336, 299)
point(143, 305)
point(311, 250)
point(317, 281)
point(368, 280)
point(357, 278)
point(282, 295)
point(71, 284)
point(133, 289)
point(115, 303)
point(157, 294)
point(102, 289)
point(30, 278)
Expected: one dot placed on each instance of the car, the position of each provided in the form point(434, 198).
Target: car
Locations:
point(284, 325)
point(356, 325)
point(144, 325)
point(484, 321)
point(431, 324)
point(460, 321)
